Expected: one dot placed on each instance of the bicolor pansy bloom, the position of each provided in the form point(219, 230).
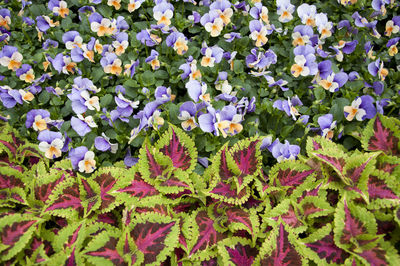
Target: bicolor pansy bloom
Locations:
point(178, 42)
point(285, 10)
point(101, 26)
point(25, 73)
point(114, 3)
point(211, 55)
point(82, 159)
point(51, 143)
point(376, 68)
point(187, 113)
point(197, 91)
point(103, 144)
point(327, 125)
point(134, 5)
point(153, 60)
point(5, 18)
point(163, 12)
point(111, 64)
point(38, 119)
point(307, 13)
point(10, 57)
point(59, 8)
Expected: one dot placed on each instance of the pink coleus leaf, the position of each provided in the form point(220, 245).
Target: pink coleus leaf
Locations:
point(247, 156)
point(65, 201)
point(179, 150)
point(207, 236)
point(109, 252)
point(155, 236)
point(382, 134)
point(229, 193)
point(43, 192)
point(377, 189)
point(326, 249)
point(284, 253)
point(239, 219)
point(241, 254)
point(106, 181)
point(139, 188)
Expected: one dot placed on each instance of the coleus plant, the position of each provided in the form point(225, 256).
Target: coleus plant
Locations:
point(331, 207)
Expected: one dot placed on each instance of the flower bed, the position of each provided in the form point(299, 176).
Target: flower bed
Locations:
point(215, 108)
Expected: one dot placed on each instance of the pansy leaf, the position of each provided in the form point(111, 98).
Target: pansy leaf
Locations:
point(382, 134)
point(15, 232)
point(280, 248)
point(66, 200)
point(324, 249)
point(155, 236)
point(178, 146)
point(237, 251)
point(203, 235)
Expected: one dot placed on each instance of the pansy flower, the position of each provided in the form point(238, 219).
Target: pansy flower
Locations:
point(259, 32)
point(10, 57)
point(379, 5)
point(259, 60)
point(120, 43)
point(289, 106)
point(153, 60)
point(178, 41)
point(354, 110)
point(82, 125)
point(190, 69)
point(130, 68)
point(213, 123)
point(301, 35)
point(391, 28)
point(376, 68)
point(299, 68)
point(212, 23)
point(26, 96)
point(115, 3)
point(43, 23)
point(285, 10)
point(307, 14)
point(323, 25)
point(51, 143)
point(211, 55)
point(327, 125)
point(5, 18)
point(103, 144)
point(100, 25)
point(258, 11)
point(156, 120)
point(392, 45)
point(284, 151)
point(223, 7)
point(64, 64)
point(38, 119)
point(187, 113)
point(333, 81)
point(9, 97)
point(25, 73)
point(163, 94)
point(134, 4)
point(147, 38)
point(111, 64)
point(59, 8)
point(82, 159)
point(163, 12)
point(72, 39)
point(197, 91)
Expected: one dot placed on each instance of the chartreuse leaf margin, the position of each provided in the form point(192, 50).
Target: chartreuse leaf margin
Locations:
point(333, 206)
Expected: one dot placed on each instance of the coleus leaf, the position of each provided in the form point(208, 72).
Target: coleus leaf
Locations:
point(354, 226)
point(9, 142)
point(228, 193)
point(323, 247)
point(12, 185)
point(175, 182)
point(382, 134)
point(203, 236)
point(312, 207)
point(382, 254)
point(155, 236)
point(90, 195)
point(224, 166)
point(133, 190)
point(247, 156)
point(382, 190)
point(319, 143)
point(66, 200)
point(46, 183)
point(291, 177)
point(241, 219)
point(102, 250)
point(281, 248)
point(179, 147)
point(15, 232)
point(106, 179)
point(153, 164)
point(70, 236)
point(237, 251)
point(389, 164)
point(287, 212)
point(38, 251)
